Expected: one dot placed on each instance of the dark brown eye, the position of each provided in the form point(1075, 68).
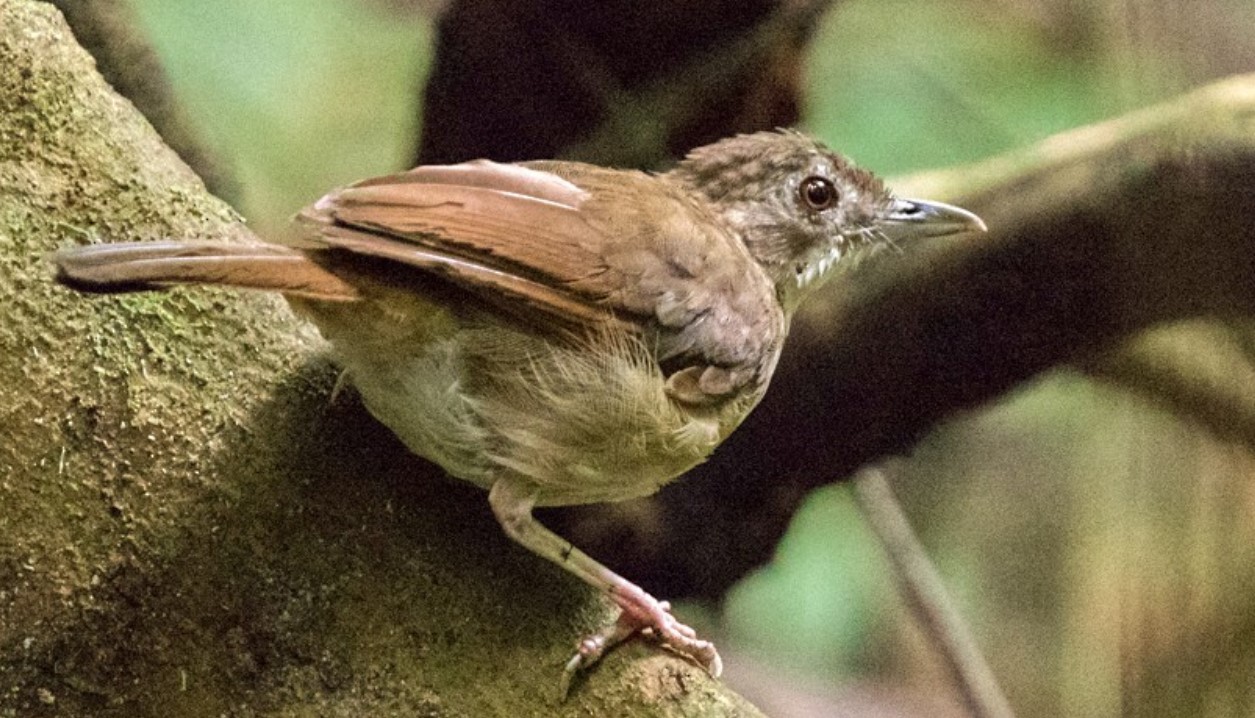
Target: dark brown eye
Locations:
point(818, 192)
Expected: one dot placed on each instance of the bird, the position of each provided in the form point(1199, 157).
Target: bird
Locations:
point(561, 333)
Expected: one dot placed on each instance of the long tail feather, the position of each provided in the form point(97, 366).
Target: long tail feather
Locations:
point(140, 266)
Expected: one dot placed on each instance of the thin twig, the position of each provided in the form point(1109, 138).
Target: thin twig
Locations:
point(922, 587)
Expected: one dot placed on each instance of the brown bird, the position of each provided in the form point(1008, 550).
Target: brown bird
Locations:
point(560, 333)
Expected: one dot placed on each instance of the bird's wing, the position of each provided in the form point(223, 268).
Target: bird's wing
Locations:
point(579, 247)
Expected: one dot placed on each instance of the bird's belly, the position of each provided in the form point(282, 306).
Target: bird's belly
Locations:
point(581, 425)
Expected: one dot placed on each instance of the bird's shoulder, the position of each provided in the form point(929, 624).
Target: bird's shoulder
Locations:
point(666, 256)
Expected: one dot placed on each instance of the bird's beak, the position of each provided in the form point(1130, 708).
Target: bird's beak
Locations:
point(917, 218)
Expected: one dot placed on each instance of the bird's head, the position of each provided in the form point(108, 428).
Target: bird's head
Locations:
point(801, 209)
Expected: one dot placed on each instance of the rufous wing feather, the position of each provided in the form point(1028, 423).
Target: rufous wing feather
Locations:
point(553, 245)
point(572, 245)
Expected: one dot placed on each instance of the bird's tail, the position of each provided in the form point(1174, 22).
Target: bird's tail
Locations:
point(140, 266)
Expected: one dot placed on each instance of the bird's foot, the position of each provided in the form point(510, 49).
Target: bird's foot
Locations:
point(642, 613)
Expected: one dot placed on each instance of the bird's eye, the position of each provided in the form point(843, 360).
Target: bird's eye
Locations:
point(818, 192)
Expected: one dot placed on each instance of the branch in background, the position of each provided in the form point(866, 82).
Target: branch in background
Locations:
point(756, 74)
point(1096, 234)
point(925, 594)
point(111, 32)
point(631, 84)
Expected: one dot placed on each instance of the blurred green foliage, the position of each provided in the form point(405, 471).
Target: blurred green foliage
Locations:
point(910, 84)
point(809, 609)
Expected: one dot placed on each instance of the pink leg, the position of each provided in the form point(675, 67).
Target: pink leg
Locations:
point(640, 612)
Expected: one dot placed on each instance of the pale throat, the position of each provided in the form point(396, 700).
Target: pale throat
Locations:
point(818, 265)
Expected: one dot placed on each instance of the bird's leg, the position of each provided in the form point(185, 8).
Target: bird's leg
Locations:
point(512, 504)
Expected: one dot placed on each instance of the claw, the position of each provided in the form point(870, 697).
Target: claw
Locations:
point(641, 613)
point(595, 645)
